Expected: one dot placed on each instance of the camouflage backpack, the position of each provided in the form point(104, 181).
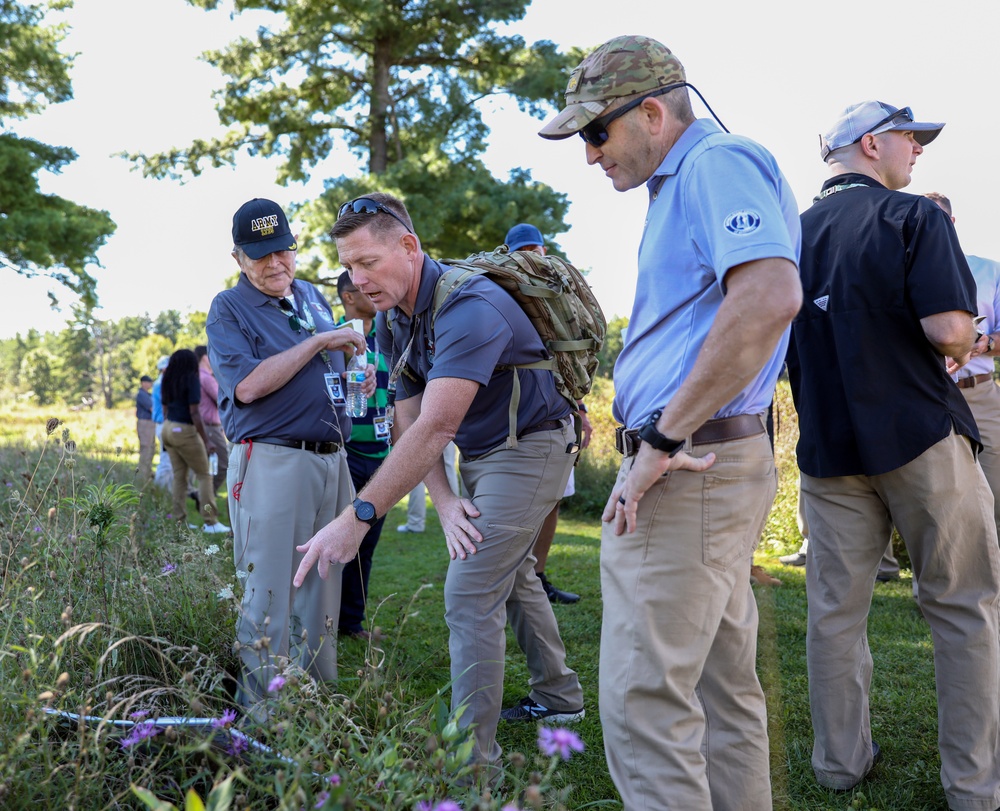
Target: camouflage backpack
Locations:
point(558, 301)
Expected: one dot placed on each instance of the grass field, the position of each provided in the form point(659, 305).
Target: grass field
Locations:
point(109, 609)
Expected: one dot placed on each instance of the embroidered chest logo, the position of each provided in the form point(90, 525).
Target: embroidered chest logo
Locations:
point(822, 302)
point(742, 222)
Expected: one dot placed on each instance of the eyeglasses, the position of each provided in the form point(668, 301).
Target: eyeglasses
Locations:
point(904, 115)
point(596, 132)
point(364, 205)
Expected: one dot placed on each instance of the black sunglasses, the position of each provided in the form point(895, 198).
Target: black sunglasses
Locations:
point(364, 205)
point(905, 114)
point(596, 132)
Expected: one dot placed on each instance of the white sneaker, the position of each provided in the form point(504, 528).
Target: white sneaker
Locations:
point(215, 529)
point(405, 528)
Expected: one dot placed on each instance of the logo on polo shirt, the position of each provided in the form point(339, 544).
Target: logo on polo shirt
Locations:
point(822, 302)
point(742, 222)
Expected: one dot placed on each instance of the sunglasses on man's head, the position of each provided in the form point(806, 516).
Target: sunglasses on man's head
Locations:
point(905, 115)
point(596, 132)
point(365, 205)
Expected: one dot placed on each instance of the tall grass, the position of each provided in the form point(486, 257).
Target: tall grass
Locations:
point(112, 610)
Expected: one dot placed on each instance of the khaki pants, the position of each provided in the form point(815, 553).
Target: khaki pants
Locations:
point(984, 401)
point(147, 437)
point(187, 452)
point(214, 433)
point(514, 489)
point(685, 724)
point(943, 508)
point(278, 499)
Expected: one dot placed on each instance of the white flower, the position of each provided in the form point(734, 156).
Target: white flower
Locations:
point(226, 593)
point(242, 574)
point(212, 550)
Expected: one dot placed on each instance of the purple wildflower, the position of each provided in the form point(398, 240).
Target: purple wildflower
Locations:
point(333, 780)
point(425, 805)
point(447, 805)
point(321, 798)
point(168, 568)
point(227, 718)
point(276, 684)
point(237, 744)
point(38, 529)
point(510, 808)
point(559, 742)
point(140, 732)
point(138, 715)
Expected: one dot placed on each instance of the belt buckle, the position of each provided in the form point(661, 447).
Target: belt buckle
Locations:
point(620, 439)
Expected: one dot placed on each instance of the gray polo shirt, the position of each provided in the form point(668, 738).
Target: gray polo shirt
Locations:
point(246, 326)
point(478, 327)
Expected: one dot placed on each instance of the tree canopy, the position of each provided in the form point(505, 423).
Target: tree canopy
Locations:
point(40, 233)
point(400, 84)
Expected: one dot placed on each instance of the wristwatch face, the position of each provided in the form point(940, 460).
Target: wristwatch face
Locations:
point(364, 510)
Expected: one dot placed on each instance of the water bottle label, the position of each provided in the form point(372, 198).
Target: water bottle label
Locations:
point(355, 377)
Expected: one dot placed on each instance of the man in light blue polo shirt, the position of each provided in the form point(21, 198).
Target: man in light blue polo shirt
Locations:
point(682, 710)
point(279, 358)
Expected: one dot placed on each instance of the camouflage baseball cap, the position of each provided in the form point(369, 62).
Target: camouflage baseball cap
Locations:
point(620, 68)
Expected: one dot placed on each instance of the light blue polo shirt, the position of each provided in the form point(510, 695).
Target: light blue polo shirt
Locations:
point(244, 327)
point(987, 275)
point(716, 201)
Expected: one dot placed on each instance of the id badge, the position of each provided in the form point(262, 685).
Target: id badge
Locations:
point(335, 389)
point(381, 428)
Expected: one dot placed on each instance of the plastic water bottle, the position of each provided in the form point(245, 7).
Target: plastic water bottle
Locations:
point(213, 464)
point(357, 403)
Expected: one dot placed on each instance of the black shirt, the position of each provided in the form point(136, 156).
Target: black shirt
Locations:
point(871, 392)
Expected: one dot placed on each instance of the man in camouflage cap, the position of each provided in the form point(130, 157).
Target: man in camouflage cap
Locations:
point(716, 291)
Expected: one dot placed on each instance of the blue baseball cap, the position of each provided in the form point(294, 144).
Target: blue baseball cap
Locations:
point(523, 234)
point(260, 228)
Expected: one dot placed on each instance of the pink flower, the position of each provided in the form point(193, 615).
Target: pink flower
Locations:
point(276, 684)
point(140, 732)
point(559, 742)
point(227, 718)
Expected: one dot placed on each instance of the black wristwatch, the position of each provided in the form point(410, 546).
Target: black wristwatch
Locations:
point(648, 433)
point(365, 511)
point(990, 343)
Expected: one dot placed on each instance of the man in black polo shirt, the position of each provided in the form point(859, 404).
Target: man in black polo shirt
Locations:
point(887, 438)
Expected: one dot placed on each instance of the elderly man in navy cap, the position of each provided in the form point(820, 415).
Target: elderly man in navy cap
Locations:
point(278, 358)
point(886, 438)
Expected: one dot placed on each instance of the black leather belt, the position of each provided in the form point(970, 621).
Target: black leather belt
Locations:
point(545, 425)
point(725, 429)
point(301, 444)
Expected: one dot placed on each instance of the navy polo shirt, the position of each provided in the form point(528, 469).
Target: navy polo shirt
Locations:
point(189, 394)
point(478, 327)
point(870, 390)
point(244, 327)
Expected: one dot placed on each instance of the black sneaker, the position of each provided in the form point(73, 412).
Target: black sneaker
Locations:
point(557, 595)
point(528, 710)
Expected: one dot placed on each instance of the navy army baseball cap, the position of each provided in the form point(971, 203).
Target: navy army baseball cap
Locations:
point(523, 234)
point(874, 117)
point(621, 68)
point(260, 227)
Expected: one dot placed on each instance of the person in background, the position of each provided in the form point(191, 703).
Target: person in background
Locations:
point(682, 710)
point(164, 476)
point(367, 446)
point(209, 409)
point(526, 237)
point(279, 360)
point(185, 439)
point(145, 429)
